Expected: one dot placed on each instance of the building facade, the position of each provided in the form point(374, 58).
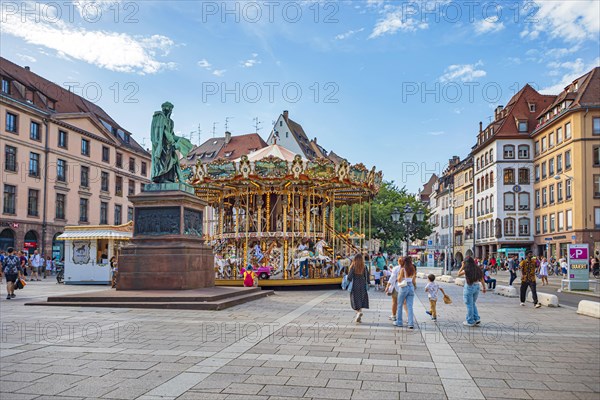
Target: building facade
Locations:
point(567, 169)
point(65, 162)
point(463, 209)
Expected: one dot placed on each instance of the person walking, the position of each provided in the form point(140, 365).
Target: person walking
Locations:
point(11, 267)
point(513, 265)
point(407, 282)
point(432, 290)
point(392, 289)
point(48, 267)
point(359, 298)
point(473, 278)
point(543, 271)
point(36, 263)
point(528, 268)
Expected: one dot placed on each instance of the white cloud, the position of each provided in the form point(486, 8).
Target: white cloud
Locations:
point(570, 71)
point(204, 64)
point(219, 72)
point(395, 21)
point(110, 50)
point(348, 34)
point(573, 21)
point(251, 62)
point(463, 72)
point(489, 25)
point(436, 133)
point(26, 57)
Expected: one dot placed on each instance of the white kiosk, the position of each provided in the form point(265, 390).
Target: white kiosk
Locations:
point(88, 250)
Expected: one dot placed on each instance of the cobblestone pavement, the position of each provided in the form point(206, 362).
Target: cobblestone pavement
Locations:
point(295, 345)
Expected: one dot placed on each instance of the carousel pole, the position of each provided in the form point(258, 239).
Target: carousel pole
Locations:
point(247, 229)
point(332, 217)
point(285, 239)
point(268, 212)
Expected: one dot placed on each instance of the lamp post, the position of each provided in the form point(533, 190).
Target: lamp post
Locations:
point(407, 216)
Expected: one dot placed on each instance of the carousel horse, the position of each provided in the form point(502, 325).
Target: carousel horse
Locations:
point(342, 264)
point(321, 258)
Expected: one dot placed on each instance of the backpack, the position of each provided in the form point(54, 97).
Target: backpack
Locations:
point(11, 265)
point(248, 280)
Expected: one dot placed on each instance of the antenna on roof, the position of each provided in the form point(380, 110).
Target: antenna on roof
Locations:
point(257, 124)
point(199, 132)
point(214, 128)
point(227, 123)
point(143, 142)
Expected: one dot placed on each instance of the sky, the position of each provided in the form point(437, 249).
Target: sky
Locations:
point(394, 84)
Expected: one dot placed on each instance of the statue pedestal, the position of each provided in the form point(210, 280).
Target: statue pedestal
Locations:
point(167, 251)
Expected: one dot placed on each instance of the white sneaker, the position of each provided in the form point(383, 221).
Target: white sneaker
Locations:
point(392, 317)
point(538, 305)
point(522, 304)
point(465, 323)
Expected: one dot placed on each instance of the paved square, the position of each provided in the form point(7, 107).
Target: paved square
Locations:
point(295, 344)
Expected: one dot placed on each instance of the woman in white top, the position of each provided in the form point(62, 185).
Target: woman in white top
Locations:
point(544, 271)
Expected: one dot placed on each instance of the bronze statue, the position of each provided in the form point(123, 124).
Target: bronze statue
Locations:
point(165, 144)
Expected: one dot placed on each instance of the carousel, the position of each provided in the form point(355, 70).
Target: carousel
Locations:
point(276, 211)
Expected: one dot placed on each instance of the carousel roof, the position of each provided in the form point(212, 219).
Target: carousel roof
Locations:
point(273, 150)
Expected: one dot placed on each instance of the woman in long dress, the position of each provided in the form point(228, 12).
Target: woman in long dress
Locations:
point(359, 298)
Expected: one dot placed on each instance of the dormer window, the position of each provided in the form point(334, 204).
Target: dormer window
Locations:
point(5, 86)
point(211, 154)
point(522, 126)
point(201, 156)
point(531, 107)
point(228, 154)
point(576, 86)
point(215, 142)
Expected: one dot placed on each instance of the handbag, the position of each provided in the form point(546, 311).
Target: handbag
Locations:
point(447, 299)
point(403, 283)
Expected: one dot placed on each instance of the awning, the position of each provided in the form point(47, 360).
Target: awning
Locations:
point(95, 234)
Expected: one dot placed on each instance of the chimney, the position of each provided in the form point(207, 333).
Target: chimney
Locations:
point(285, 115)
point(315, 140)
point(27, 68)
point(498, 112)
point(480, 127)
point(227, 137)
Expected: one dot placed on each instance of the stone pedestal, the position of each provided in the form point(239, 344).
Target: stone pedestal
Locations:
point(167, 251)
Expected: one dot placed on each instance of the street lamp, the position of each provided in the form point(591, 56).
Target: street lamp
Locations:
point(408, 214)
point(407, 217)
point(396, 215)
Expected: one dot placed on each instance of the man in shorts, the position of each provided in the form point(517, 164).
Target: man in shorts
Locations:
point(11, 267)
point(36, 265)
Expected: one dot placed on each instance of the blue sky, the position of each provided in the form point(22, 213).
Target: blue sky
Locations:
point(399, 85)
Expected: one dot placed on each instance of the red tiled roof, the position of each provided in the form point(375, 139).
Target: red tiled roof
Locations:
point(66, 104)
point(240, 145)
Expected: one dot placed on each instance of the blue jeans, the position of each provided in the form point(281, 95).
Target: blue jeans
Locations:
point(470, 294)
point(304, 266)
point(406, 293)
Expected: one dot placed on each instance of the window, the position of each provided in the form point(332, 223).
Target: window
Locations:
point(523, 201)
point(523, 176)
point(119, 160)
point(523, 151)
point(144, 168)
point(492, 203)
point(551, 193)
point(491, 155)
point(83, 210)
point(34, 164)
point(561, 221)
point(10, 158)
point(60, 206)
point(509, 151)
point(105, 154)
point(487, 182)
point(537, 199)
point(544, 196)
point(129, 214)
point(85, 147)
point(478, 207)
point(104, 181)
point(509, 176)
point(85, 176)
point(596, 125)
point(118, 214)
point(10, 197)
point(492, 179)
point(596, 156)
point(537, 148)
point(551, 167)
point(559, 194)
point(537, 173)
point(544, 173)
point(552, 222)
point(568, 189)
point(103, 213)
point(559, 167)
point(61, 170)
point(509, 227)
point(119, 186)
point(597, 217)
point(34, 131)
point(522, 126)
point(131, 187)
point(567, 131)
point(537, 225)
point(569, 219)
point(568, 159)
point(545, 224)
point(559, 135)
point(131, 164)
point(62, 139)
point(551, 139)
point(11, 122)
point(596, 186)
point(531, 107)
point(5, 86)
point(478, 186)
point(509, 201)
point(544, 147)
point(523, 226)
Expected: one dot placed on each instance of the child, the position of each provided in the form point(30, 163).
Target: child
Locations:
point(487, 277)
point(249, 277)
point(377, 277)
point(432, 289)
